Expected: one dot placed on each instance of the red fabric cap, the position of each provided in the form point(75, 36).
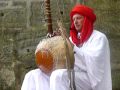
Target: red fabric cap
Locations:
point(87, 28)
point(83, 10)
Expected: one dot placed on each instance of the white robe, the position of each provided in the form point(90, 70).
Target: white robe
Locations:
point(92, 66)
point(92, 69)
point(35, 80)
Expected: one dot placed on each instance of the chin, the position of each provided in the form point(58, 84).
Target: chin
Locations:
point(78, 30)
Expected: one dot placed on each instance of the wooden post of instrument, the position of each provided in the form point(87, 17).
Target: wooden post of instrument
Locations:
point(48, 14)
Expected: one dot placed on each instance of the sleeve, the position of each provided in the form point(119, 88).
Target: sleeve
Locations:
point(28, 82)
point(95, 56)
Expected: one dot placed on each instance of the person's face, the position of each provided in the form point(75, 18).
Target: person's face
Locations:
point(78, 21)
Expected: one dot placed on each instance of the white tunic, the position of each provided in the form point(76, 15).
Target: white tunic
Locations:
point(35, 80)
point(92, 66)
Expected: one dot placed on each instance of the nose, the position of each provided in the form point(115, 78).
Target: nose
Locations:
point(75, 21)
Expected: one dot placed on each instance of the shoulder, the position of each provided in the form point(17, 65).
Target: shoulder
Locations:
point(32, 72)
point(98, 35)
point(97, 38)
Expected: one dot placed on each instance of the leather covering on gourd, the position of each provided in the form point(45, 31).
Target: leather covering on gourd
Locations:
point(52, 53)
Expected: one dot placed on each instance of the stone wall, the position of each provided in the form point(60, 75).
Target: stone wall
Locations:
point(19, 37)
point(23, 25)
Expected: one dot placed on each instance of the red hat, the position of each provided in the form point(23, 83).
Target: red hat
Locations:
point(83, 10)
point(87, 28)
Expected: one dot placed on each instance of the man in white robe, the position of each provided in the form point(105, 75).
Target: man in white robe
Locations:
point(92, 66)
point(92, 56)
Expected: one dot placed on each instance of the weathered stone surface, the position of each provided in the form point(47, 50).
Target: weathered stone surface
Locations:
point(7, 75)
point(108, 15)
point(3, 4)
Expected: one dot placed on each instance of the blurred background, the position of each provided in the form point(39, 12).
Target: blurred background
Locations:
point(23, 25)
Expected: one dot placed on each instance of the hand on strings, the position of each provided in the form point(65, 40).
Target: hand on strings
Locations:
point(55, 33)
